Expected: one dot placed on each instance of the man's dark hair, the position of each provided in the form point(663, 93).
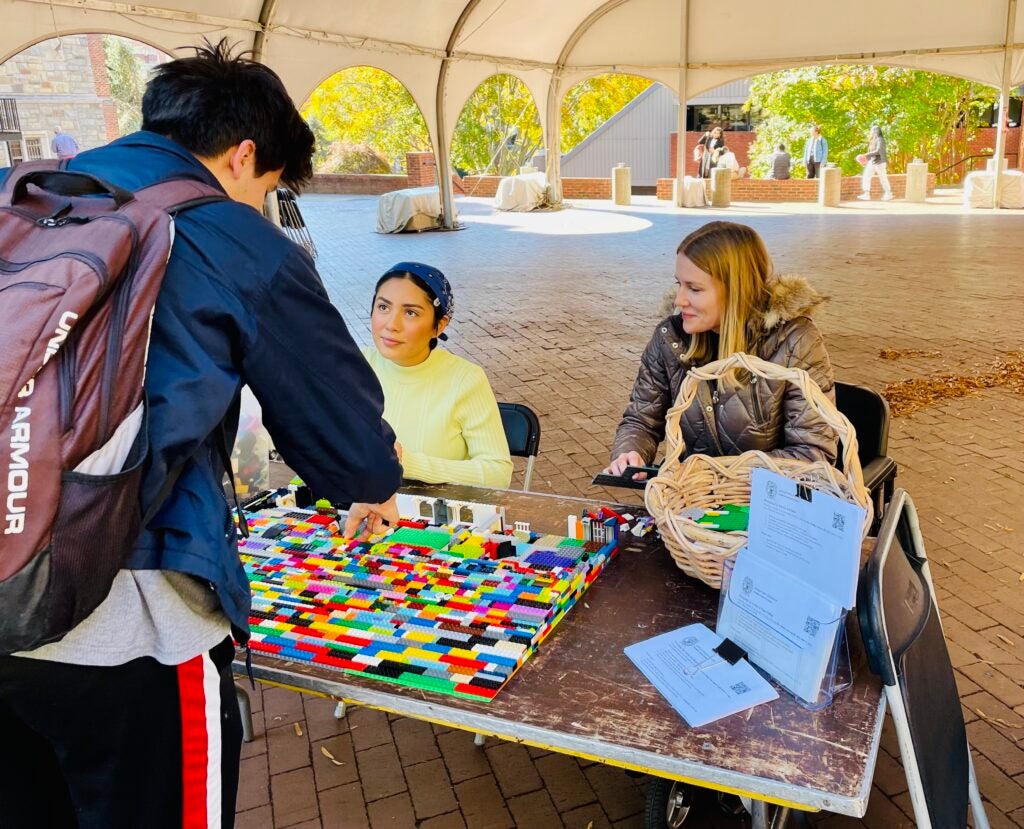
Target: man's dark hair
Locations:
point(782, 148)
point(215, 100)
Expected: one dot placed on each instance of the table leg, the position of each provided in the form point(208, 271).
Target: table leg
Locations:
point(765, 816)
point(245, 711)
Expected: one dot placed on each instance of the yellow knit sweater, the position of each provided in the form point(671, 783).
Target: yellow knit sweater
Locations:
point(446, 418)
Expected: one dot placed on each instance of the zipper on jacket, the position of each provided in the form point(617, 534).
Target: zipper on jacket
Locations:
point(711, 421)
point(758, 412)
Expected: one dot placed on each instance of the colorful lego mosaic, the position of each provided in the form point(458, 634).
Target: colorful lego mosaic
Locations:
point(455, 607)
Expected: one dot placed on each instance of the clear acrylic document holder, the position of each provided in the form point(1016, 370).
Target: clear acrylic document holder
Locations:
point(838, 673)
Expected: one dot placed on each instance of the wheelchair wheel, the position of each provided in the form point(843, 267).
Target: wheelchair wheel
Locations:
point(668, 804)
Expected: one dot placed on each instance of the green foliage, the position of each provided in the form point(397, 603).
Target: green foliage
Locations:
point(127, 82)
point(498, 130)
point(590, 103)
point(920, 113)
point(364, 105)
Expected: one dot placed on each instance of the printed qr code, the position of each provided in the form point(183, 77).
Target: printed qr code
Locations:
point(740, 688)
point(838, 522)
point(811, 626)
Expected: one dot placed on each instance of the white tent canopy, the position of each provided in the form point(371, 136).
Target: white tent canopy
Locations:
point(442, 49)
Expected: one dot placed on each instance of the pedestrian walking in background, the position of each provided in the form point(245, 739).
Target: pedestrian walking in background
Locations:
point(63, 144)
point(876, 160)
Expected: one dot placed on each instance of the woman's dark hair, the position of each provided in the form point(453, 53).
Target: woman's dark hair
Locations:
point(423, 286)
point(215, 100)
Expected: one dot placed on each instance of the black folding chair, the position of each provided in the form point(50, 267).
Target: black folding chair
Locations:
point(291, 220)
point(522, 431)
point(902, 632)
point(867, 410)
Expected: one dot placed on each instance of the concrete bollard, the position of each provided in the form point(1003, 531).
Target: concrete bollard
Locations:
point(917, 181)
point(721, 187)
point(621, 184)
point(830, 186)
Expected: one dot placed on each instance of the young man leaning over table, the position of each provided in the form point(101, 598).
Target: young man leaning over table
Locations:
point(131, 719)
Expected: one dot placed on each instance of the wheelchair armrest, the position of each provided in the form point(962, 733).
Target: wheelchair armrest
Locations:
point(879, 470)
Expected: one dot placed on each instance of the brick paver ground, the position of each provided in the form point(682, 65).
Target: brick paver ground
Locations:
point(557, 307)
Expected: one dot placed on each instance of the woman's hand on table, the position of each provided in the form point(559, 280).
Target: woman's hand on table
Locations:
point(627, 459)
point(365, 520)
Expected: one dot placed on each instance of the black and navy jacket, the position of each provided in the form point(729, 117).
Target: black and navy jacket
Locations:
point(241, 304)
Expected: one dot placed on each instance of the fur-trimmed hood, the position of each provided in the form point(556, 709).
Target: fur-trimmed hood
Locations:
point(792, 296)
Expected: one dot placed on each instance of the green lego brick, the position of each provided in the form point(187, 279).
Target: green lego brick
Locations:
point(420, 538)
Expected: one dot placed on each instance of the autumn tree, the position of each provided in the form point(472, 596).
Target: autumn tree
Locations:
point(588, 104)
point(922, 114)
point(364, 105)
point(127, 82)
point(498, 130)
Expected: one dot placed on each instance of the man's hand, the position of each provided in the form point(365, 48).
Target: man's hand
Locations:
point(376, 516)
point(398, 451)
point(626, 459)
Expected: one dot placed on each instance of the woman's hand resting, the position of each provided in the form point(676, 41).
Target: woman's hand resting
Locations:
point(627, 459)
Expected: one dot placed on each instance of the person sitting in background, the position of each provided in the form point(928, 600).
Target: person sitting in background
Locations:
point(727, 158)
point(729, 299)
point(779, 164)
point(441, 406)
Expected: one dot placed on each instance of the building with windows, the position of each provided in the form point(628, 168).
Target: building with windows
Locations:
point(62, 82)
point(639, 133)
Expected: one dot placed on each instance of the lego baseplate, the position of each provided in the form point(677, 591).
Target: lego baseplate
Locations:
point(455, 608)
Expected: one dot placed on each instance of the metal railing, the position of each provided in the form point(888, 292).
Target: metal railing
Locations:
point(967, 158)
point(9, 121)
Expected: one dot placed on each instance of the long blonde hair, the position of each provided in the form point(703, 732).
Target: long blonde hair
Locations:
point(735, 257)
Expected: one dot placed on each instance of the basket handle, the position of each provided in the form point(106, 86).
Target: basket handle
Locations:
point(811, 391)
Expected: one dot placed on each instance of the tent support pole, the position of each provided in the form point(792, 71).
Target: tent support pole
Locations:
point(684, 55)
point(442, 147)
point(1004, 100)
point(553, 154)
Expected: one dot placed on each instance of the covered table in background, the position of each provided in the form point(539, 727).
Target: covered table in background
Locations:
point(417, 208)
point(523, 192)
point(978, 189)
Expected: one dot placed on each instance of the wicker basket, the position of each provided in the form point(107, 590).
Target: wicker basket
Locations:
point(707, 482)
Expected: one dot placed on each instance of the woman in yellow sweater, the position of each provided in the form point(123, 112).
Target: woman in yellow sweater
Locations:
point(441, 406)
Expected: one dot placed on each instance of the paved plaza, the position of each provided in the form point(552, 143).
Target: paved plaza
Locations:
point(557, 307)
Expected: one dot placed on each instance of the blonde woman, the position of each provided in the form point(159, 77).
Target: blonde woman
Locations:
point(728, 299)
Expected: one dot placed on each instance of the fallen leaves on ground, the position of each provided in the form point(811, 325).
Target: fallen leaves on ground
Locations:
point(900, 353)
point(329, 756)
point(914, 394)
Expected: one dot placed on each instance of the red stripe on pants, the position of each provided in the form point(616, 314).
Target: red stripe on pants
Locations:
point(194, 747)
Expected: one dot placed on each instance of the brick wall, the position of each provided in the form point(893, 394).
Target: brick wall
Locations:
point(587, 188)
point(422, 169)
point(797, 190)
point(738, 142)
point(483, 186)
point(572, 188)
point(356, 185)
point(985, 139)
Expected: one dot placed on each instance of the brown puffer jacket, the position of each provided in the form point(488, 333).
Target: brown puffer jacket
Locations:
point(767, 415)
